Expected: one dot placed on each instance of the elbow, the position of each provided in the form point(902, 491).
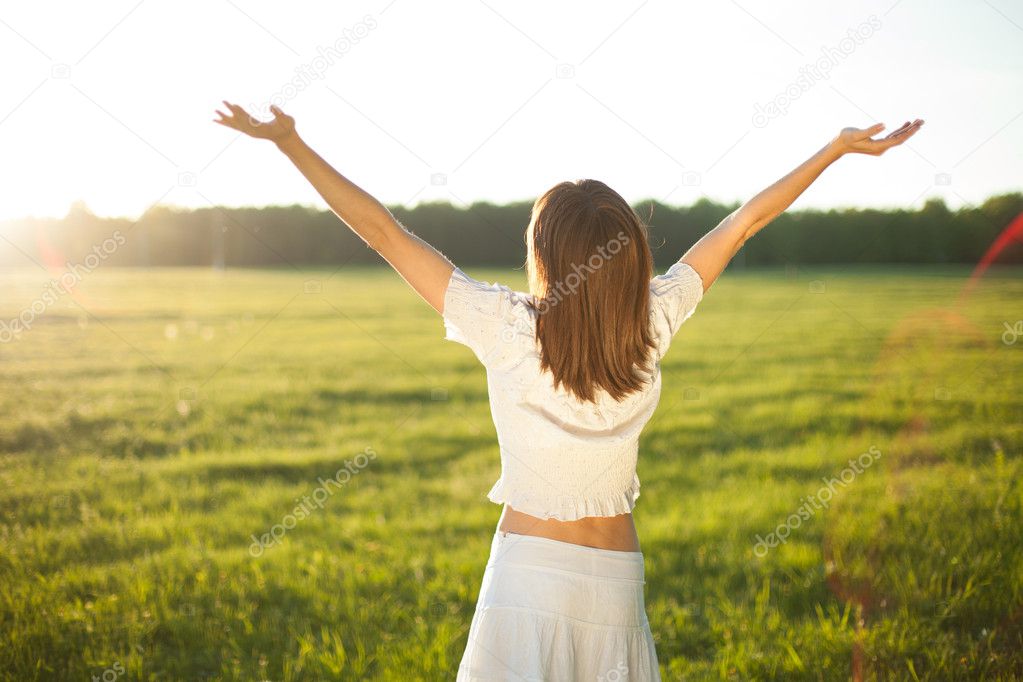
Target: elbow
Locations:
point(760, 224)
point(377, 241)
point(382, 236)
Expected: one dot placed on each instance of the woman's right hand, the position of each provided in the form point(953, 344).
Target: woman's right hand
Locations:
point(860, 140)
point(280, 128)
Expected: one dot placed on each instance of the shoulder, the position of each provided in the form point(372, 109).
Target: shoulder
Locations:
point(491, 318)
point(485, 298)
point(674, 296)
point(680, 279)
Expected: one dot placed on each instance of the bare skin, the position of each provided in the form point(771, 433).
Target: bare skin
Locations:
point(427, 270)
point(603, 532)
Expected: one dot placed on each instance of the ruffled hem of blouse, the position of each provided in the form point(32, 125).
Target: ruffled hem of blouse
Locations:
point(567, 507)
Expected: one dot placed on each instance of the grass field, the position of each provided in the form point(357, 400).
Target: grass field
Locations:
point(143, 444)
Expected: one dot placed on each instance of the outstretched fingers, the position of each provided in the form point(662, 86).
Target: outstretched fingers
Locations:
point(230, 121)
point(867, 133)
point(905, 132)
point(862, 140)
point(226, 121)
point(240, 118)
point(907, 128)
point(225, 118)
point(896, 137)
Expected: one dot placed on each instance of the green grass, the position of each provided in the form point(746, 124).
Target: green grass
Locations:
point(142, 444)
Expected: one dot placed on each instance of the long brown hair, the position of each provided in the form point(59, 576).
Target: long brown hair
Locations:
point(589, 267)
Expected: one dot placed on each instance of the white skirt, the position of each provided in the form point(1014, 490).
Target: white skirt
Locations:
point(551, 610)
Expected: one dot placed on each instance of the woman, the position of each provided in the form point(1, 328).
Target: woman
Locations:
point(573, 374)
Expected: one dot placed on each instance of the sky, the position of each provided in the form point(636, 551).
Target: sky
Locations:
point(112, 103)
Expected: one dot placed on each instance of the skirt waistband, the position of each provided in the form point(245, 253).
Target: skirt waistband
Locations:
point(540, 552)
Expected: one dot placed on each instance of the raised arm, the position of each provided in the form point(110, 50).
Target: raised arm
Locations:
point(422, 266)
point(711, 254)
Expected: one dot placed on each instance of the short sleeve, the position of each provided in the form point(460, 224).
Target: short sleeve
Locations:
point(673, 299)
point(488, 318)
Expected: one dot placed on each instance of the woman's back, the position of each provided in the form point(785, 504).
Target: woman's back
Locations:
point(563, 459)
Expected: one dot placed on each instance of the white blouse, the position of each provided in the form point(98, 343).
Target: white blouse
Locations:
point(560, 458)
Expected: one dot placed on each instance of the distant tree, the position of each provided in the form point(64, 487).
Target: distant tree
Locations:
point(487, 234)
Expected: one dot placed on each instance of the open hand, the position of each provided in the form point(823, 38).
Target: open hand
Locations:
point(860, 141)
point(277, 129)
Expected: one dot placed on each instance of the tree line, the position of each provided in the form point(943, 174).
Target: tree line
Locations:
point(489, 234)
